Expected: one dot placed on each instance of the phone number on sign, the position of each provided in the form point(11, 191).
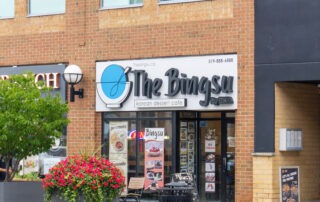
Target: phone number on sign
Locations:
point(220, 60)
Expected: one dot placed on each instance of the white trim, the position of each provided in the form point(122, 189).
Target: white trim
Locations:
point(119, 7)
point(45, 14)
point(7, 17)
point(176, 1)
point(262, 154)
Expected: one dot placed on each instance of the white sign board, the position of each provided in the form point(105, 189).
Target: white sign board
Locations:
point(49, 163)
point(186, 83)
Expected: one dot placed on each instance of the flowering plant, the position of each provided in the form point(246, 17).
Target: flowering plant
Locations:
point(94, 178)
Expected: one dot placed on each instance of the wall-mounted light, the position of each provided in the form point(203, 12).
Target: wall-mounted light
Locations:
point(73, 75)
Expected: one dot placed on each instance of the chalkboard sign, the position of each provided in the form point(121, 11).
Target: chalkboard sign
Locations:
point(289, 184)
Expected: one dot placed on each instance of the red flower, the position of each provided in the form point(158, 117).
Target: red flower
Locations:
point(76, 173)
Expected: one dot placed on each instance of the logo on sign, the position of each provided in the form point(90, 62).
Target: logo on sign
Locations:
point(154, 134)
point(114, 86)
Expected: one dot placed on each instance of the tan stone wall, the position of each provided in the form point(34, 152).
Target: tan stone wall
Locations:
point(86, 34)
point(296, 106)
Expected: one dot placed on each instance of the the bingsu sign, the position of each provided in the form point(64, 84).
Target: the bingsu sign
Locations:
point(154, 134)
point(182, 83)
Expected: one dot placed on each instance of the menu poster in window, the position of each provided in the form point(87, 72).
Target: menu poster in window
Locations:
point(191, 136)
point(118, 137)
point(289, 184)
point(183, 133)
point(183, 124)
point(210, 167)
point(154, 158)
point(191, 127)
point(118, 150)
point(210, 146)
point(210, 187)
point(210, 158)
point(210, 177)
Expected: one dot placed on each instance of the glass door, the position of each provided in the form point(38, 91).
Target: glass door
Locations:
point(206, 149)
point(210, 160)
point(230, 156)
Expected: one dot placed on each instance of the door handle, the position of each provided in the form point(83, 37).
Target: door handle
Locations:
point(224, 164)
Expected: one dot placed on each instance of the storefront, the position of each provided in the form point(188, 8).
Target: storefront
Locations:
point(169, 115)
point(52, 76)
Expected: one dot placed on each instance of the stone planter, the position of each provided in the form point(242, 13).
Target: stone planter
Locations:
point(21, 191)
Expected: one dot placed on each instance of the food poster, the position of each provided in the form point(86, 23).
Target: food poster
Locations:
point(154, 158)
point(289, 184)
point(29, 165)
point(210, 149)
point(118, 149)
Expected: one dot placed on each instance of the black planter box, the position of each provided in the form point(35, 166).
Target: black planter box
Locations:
point(21, 191)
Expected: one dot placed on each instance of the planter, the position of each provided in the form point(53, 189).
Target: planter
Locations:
point(20, 191)
point(81, 199)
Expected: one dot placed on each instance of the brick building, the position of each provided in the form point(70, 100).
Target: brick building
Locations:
point(183, 34)
point(287, 76)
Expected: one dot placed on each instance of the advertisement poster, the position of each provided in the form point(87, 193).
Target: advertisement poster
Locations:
point(29, 165)
point(210, 146)
point(289, 184)
point(154, 158)
point(118, 149)
point(210, 187)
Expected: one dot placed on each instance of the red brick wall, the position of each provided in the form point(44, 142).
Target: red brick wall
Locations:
point(85, 34)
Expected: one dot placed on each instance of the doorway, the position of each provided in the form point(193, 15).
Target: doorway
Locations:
point(207, 151)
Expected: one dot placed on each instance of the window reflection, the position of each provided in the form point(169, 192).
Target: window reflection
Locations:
point(45, 7)
point(6, 8)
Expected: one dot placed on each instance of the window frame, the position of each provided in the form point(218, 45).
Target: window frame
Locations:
point(106, 7)
point(9, 17)
point(44, 14)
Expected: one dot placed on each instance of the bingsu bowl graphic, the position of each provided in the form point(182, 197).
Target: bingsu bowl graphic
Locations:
point(154, 149)
point(113, 87)
point(117, 139)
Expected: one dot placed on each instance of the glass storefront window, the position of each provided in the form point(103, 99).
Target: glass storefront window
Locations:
point(210, 115)
point(156, 114)
point(113, 115)
point(137, 122)
point(187, 114)
point(200, 143)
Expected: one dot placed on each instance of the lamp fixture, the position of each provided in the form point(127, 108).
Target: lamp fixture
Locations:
point(73, 75)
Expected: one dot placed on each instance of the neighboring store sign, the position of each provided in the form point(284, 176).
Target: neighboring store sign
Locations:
point(118, 149)
point(188, 83)
point(289, 184)
point(154, 158)
point(50, 74)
